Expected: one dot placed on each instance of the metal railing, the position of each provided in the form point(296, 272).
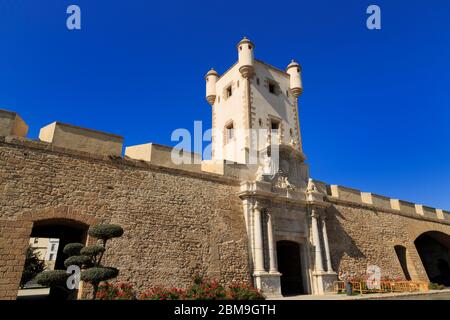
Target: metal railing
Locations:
point(385, 286)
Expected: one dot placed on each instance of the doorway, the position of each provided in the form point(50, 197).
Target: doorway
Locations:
point(290, 266)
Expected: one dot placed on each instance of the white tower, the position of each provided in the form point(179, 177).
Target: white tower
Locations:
point(253, 96)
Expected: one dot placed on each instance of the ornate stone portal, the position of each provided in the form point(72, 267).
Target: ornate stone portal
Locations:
point(286, 206)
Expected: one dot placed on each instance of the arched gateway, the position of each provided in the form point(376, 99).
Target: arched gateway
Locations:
point(434, 251)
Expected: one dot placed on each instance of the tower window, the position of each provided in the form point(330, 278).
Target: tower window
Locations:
point(229, 132)
point(274, 125)
point(271, 88)
point(260, 122)
point(229, 92)
point(257, 81)
point(51, 257)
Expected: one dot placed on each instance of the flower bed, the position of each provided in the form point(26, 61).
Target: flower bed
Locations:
point(201, 289)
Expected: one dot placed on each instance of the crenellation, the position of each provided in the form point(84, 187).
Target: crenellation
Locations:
point(346, 194)
point(11, 124)
point(82, 139)
point(381, 202)
point(163, 156)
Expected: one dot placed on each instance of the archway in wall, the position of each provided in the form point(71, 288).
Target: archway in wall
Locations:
point(402, 258)
point(434, 251)
point(62, 232)
point(290, 266)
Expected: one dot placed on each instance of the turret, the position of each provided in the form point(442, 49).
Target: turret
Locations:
point(211, 80)
point(295, 85)
point(246, 62)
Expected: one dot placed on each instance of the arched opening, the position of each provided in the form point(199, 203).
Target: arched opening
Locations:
point(290, 267)
point(402, 258)
point(434, 251)
point(50, 237)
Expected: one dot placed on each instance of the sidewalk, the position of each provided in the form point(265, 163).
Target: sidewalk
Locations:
point(365, 296)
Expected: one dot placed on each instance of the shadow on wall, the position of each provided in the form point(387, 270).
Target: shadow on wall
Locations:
point(341, 243)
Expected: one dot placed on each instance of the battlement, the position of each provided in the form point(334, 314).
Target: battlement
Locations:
point(87, 141)
point(349, 195)
point(81, 139)
point(11, 124)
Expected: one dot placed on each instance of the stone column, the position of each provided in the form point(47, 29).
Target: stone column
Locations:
point(273, 263)
point(258, 236)
point(318, 265)
point(326, 245)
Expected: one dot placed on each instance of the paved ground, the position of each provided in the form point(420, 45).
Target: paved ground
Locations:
point(430, 295)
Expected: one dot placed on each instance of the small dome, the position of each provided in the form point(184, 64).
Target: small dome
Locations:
point(293, 64)
point(211, 73)
point(245, 40)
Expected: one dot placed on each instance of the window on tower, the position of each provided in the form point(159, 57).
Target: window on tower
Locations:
point(274, 126)
point(271, 88)
point(229, 132)
point(229, 91)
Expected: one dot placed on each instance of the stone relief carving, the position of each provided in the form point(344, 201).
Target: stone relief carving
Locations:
point(311, 186)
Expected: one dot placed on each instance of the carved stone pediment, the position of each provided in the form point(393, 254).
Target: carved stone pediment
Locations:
point(283, 168)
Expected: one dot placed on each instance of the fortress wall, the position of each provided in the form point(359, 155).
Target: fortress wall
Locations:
point(176, 222)
point(354, 196)
point(364, 231)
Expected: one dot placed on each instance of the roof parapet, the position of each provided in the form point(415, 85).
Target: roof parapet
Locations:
point(81, 139)
point(11, 124)
point(382, 202)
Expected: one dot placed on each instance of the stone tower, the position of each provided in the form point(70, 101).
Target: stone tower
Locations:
point(253, 104)
point(256, 124)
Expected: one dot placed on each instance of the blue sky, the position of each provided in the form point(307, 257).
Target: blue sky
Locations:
point(376, 104)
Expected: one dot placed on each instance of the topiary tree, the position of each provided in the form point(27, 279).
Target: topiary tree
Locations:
point(89, 259)
point(33, 266)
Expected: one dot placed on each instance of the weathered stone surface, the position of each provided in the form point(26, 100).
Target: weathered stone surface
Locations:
point(360, 236)
point(176, 223)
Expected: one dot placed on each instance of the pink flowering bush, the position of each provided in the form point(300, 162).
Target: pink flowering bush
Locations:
point(116, 291)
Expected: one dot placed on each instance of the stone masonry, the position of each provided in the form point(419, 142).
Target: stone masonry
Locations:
point(176, 223)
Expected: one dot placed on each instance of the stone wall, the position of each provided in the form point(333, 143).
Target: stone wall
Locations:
point(176, 223)
point(361, 235)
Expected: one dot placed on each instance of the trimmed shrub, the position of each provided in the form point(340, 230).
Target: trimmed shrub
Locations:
point(92, 251)
point(73, 249)
point(54, 278)
point(77, 261)
point(96, 275)
point(105, 231)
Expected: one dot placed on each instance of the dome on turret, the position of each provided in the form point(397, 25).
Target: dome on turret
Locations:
point(294, 64)
point(246, 41)
point(212, 72)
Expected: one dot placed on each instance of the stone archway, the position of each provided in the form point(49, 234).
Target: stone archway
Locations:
point(289, 255)
point(14, 240)
point(434, 251)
